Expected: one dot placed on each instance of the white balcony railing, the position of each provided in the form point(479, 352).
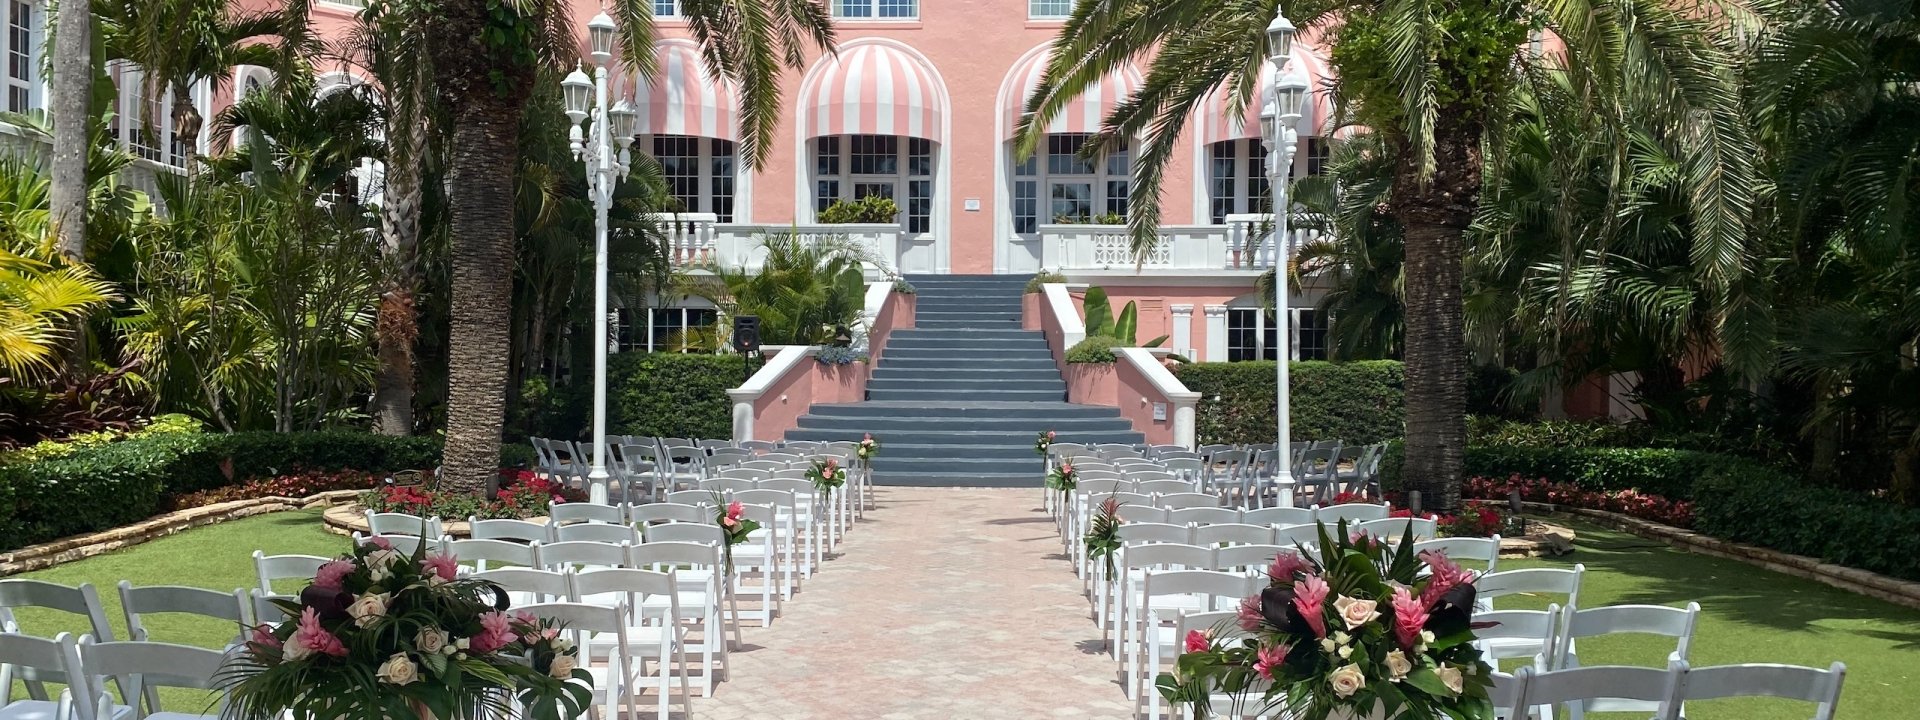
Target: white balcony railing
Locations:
point(697, 238)
point(1245, 242)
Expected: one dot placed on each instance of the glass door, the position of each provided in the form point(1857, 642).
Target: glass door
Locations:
point(1072, 201)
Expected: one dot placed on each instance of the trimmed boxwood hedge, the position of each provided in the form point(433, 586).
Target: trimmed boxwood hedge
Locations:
point(1358, 402)
point(112, 485)
point(658, 395)
point(1839, 526)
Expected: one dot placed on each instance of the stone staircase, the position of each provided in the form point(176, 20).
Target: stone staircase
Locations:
point(958, 399)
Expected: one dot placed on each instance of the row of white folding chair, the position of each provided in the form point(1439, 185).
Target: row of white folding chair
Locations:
point(1183, 508)
point(1556, 630)
point(1307, 536)
point(1573, 692)
point(1149, 618)
point(792, 479)
point(86, 667)
point(1132, 561)
point(625, 639)
point(797, 514)
point(699, 600)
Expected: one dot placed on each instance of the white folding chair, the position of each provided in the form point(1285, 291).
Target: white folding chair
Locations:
point(1351, 512)
point(521, 530)
point(1132, 562)
point(1518, 634)
point(602, 629)
point(703, 600)
point(148, 666)
point(1278, 516)
point(644, 515)
point(231, 607)
point(403, 524)
point(1574, 692)
point(1657, 620)
point(1530, 581)
point(583, 555)
point(690, 497)
point(762, 553)
point(1791, 682)
point(1232, 534)
point(799, 526)
point(527, 586)
point(564, 514)
point(285, 567)
point(652, 631)
point(1249, 559)
point(1163, 596)
point(475, 556)
point(1306, 537)
point(35, 661)
point(1135, 513)
point(732, 481)
point(1485, 551)
point(1177, 501)
point(1169, 487)
point(403, 544)
point(1392, 529)
point(596, 532)
point(1203, 515)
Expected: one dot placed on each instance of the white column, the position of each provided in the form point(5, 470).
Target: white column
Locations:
point(1184, 421)
point(1216, 334)
point(742, 414)
point(1183, 330)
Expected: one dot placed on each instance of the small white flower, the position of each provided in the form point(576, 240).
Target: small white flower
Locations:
point(1328, 645)
point(1341, 638)
point(398, 670)
point(1450, 676)
point(1346, 652)
point(1426, 637)
point(430, 640)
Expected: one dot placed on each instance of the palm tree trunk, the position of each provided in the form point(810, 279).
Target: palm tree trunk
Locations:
point(1435, 212)
point(399, 325)
point(69, 103)
point(485, 148)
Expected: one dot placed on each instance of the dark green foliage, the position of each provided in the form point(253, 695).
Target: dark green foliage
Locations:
point(124, 482)
point(1659, 471)
point(1489, 431)
point(658, 395)
point(1357, 402)
point(870, 209)
point(1042, 278)
point(1777, 511)
point(1095, 350)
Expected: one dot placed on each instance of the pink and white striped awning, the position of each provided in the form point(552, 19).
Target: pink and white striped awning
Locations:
point(874, 89)
point(1085, 113)
point(679, 99)
point(1218, 125)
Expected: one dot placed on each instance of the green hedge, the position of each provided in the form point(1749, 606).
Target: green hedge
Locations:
point(656, 394)
point(1359, 402)
point(1671, 473)
point(112, 485)
point(1839, 526)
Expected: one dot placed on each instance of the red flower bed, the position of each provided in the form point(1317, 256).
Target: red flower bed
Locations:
point(522, 495)
point(1678, 513)
point(296, 485)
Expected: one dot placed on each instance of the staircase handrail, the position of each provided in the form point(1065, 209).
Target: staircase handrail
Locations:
point(782, 360)
point(1059, 317)
point(1161, 386)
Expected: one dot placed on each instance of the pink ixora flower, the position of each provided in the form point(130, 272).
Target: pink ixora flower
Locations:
point(333, 574)
point(1310, 597)
point(1249, 614)
point(1197, 642)
point(496, 630)
point(312, 638)
point(1049, 434)
point(1285, 567)
point(1409, 617)
point(1447, 575)
point(1270, 658)
point(380, 542)
point(263, 636)
point(734, 511)
point(442, 564)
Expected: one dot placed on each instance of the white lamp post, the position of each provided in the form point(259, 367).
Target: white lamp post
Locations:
point(1277, 121)
point(607, 160)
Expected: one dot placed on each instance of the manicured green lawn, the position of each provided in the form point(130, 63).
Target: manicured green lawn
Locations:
point(1748, 615)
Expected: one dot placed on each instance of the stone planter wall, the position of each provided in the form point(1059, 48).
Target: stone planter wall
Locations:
point(1874, 585)
point(64, 550)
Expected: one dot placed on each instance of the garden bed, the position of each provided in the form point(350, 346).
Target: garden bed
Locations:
point(77, 547)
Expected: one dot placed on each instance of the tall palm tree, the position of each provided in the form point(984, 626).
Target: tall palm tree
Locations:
point(488, 54)
point(70, 95)
point(1428, 78)
point(178, 43)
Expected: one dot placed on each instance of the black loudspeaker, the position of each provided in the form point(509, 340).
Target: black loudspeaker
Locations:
point(746, 334)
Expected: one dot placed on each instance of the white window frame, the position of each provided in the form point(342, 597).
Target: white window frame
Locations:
point(902, 180)
point(1262, 328)
point(873, 8)
point(637, 339)
point(1249, 166)
point(1043, 178)
point(704, 159)
point(654, 5)
point(354, 5)
point(130, 83)
point(31, 83)
point(1036, 9)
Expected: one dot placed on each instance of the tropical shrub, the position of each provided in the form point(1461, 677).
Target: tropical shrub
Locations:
point(49, 449)
point(656, 395)
point(1633, 503)
point(1094, 350)
point(837, 355)
point(1043, 277)
point(1356, 402)
point(293, 485)
point(869, 209)
point(904, 288)
point(521, 495)
point(1655, 471)
point(1845, 527)
point(801, 292)
point(1122, 328)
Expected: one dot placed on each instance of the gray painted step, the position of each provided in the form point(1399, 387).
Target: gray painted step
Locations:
point(1031, 395)
point(967, 385)
point(964, 372)
point(979, 409)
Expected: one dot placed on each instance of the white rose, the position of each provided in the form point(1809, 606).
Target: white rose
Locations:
point(1347, 680)
point(295, 650)
point(430, 640)
point(1450, 676)
point(1397, 665)
point(368, 609)
point(1328, 645)
point(563, 666)
point(1356, 612)
point(398, 670)
point(1340, 638)
point(380, 564)
point(1346, 652)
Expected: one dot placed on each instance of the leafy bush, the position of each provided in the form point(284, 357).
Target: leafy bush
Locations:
point(1488, 392)
point(1483, 431)
point(658, 395)
point(1095, 350)
point(1656, 471)
point(1646, 506)
point(836, 355)
point(1772, 510)
point(1042, 278)
point(1121, 328)
point(1358, 402)
point(904, 288)
point(294, 485)
point(49, 449)
point(869, 209)
point(110, 485)
point(522, 495)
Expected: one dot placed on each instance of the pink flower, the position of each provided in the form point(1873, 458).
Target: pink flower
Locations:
point(1447, 575)
point(442, 564)
point(333, 574)
point(313, 638)
point(525, 618)
point(868, 438)
point(734, 510)
point(264, 637)
point(496, 630)
point(1249, 615)
point(1409, 617)
point(1049, 434)
point(380, 542)
point(1285, 566)
point(1197, 642)
point(1066, 468)
point(1269, 659)
point(1309, 597)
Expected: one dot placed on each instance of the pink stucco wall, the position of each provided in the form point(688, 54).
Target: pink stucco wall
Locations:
point(1135, 396)
point(896, 314)
point(1155, 307)
point(813, 382)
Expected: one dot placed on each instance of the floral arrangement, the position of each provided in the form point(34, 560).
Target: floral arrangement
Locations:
point(1103, 535)
point(867, 448)
point(379, 633)
point(1359, 630)
point(1040, 444)
point(1063, 477)
point(1678, 513)
point(827, 476)
point(733, 521)
point(522, 495)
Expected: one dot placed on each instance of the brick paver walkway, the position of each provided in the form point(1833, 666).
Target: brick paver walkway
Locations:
point(943, 603)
